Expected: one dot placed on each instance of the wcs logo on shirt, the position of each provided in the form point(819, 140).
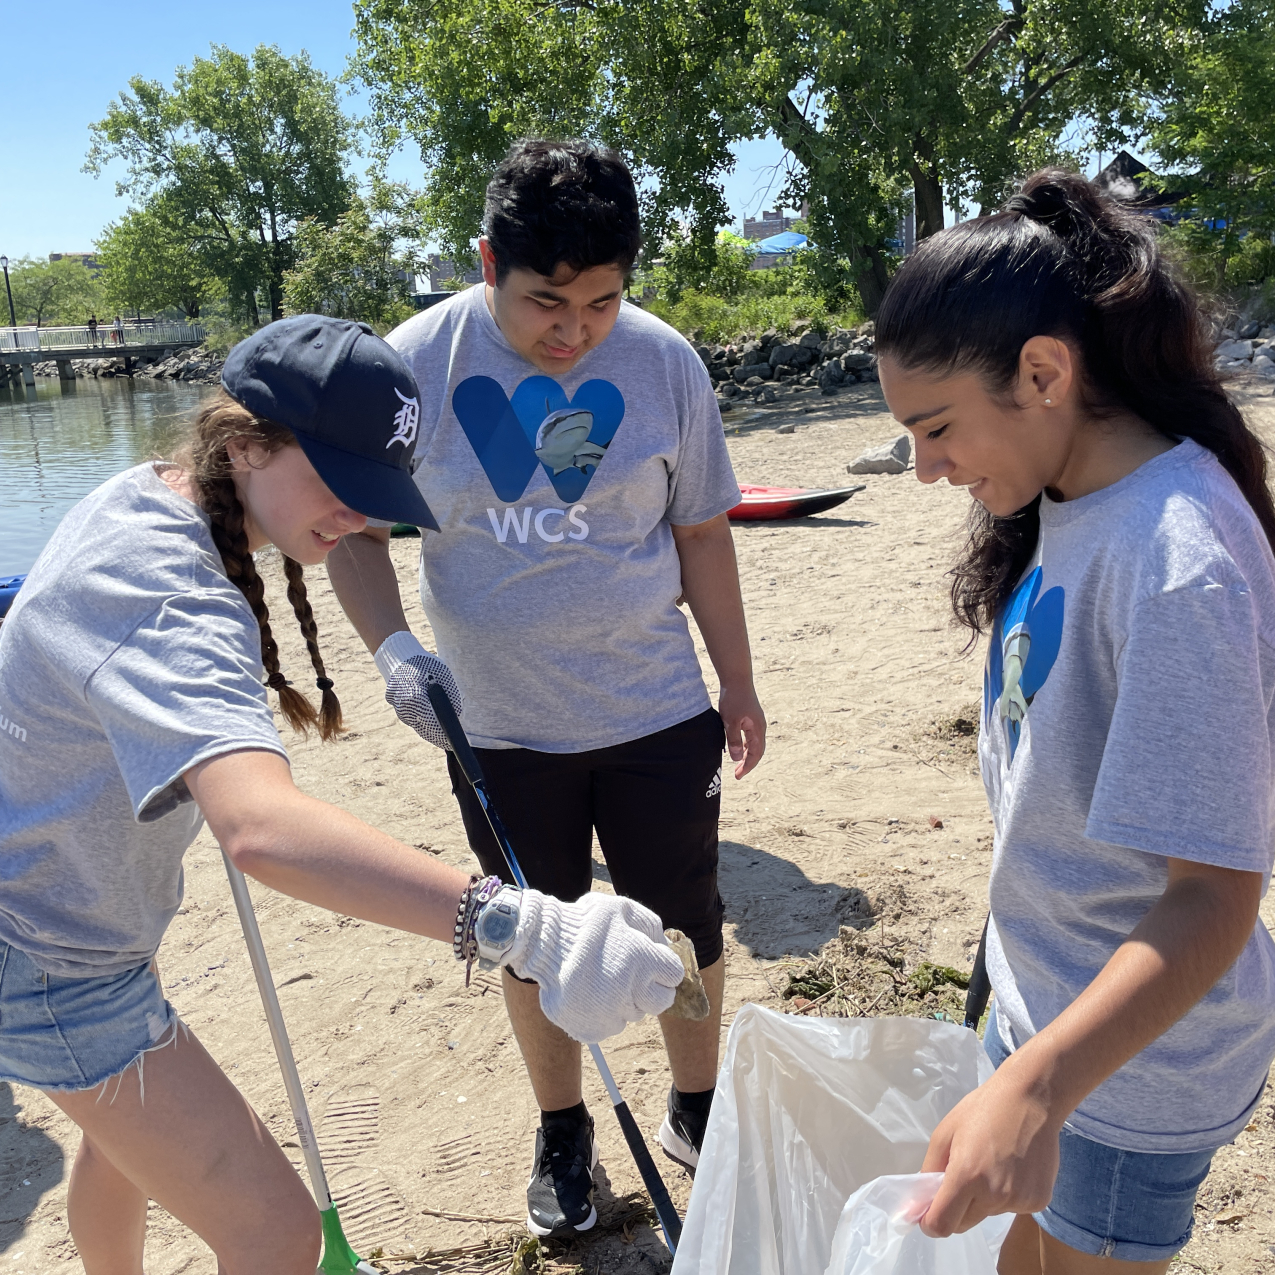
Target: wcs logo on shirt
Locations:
point(521, 521)
point(538, 426)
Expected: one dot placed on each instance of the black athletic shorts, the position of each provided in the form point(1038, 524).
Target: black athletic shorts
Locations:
point(654, 802)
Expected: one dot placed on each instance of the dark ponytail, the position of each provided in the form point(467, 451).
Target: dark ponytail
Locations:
point(1062, 260)
point(207, 462)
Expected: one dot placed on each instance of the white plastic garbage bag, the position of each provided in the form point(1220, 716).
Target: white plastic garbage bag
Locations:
point(806, 1112)
point(878, 1234)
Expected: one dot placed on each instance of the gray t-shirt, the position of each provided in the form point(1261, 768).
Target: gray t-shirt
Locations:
point(1127, 719)
point(552, 587)
point(127, 658)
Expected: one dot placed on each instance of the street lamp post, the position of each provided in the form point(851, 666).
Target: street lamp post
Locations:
point(13, 318)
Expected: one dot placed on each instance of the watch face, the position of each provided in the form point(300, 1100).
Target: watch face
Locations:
point(498, 927)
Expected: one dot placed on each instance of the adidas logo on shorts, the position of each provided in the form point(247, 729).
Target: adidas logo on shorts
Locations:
point(716, 786)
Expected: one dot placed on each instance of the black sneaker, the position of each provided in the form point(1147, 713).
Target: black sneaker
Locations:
point(682, 1133)
point(560, 1193)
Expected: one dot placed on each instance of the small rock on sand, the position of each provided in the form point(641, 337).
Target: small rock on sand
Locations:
point(889, 458)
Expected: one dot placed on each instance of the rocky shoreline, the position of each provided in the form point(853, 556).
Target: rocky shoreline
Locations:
point(199, 364)
point(778, 365)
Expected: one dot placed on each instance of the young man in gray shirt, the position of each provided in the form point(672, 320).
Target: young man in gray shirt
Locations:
point(572, 451)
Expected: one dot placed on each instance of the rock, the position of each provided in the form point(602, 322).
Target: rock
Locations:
point(1248, 330)
point(788, 355)
point(749, 352)
point(799, 326)
point(831, 374)
point(867, 329)
point(856, 361)
point(1234, 350)
point(889, 458)
point(790, 428)
point(1267, 332)
point(769, 337)
point(1226, 334)
point(725, 405)
point(753, 382)
point(811, 340)
point(1264, 366)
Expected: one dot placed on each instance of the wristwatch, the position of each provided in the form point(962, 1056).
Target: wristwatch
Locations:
point(496, 926)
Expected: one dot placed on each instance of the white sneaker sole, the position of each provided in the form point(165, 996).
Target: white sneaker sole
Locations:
point(589, 1222)
point(677, 1148)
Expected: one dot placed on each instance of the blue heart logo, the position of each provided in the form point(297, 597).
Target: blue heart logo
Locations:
point(539, 426)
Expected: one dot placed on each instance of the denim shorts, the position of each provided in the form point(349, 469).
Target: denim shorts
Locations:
point(1131, 1205)
point(66, 1034)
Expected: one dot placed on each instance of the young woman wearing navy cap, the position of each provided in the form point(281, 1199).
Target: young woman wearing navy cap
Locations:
point(131, 670)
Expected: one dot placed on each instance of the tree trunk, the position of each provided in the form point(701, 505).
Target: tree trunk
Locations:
point(928, 188)
point(872, 278)
point(253, 313)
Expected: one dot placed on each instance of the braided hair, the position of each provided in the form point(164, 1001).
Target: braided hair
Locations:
point(207, 462)
point(1063, 260)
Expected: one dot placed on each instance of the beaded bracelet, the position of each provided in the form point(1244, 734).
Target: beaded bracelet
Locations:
point(476, 894)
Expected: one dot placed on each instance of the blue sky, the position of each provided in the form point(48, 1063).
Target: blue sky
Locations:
point(64, 64)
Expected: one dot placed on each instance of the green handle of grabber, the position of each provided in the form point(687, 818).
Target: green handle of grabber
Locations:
point(338, 1257)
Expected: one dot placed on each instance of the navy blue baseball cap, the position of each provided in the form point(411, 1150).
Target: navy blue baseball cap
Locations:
point(351, 401)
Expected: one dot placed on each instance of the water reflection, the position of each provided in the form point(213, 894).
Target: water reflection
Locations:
point(62, 439)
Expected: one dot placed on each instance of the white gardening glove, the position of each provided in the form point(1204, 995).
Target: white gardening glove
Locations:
point(408, 668)
point(601, 962)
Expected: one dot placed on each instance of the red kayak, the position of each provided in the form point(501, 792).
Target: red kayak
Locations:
point(762, 503)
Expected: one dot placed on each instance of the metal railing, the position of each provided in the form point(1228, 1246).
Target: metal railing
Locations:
point(107, 338)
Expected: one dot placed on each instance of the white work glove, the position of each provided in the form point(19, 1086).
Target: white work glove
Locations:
point(408, 668)
point(601, 962)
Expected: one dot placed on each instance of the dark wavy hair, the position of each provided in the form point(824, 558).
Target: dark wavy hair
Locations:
point(1062, 260)
point(561, 202)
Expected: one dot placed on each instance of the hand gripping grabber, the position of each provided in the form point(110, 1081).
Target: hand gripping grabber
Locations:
point(457, 741)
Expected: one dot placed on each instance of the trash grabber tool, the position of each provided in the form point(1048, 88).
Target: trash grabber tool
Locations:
point(980, 988)
point(338, 1257)
point(457, 741)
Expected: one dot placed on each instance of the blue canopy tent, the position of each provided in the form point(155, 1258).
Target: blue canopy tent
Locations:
point(780, 245)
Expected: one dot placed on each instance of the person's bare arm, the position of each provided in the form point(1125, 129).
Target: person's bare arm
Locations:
point(366, 585)
point(314, 851)
point(710, 583)
point(998, 1148)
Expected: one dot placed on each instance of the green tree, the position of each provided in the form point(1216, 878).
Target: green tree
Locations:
point(877, 102)
point(53, 292)
point(364, 266)
point(242, 150)
point(1218, 126)
point(150, 261)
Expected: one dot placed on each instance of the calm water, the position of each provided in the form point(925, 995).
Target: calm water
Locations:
point(57, 447)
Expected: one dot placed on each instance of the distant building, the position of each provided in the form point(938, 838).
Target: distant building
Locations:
point(769, 223)
point(1124, 179)
point(87, 259)
point(441, 271)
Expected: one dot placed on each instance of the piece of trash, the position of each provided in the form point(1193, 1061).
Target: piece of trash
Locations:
point(461, 1098)
point(935, 821)
point(690, 1001)
point(1227, 1215)
point(451, 1044)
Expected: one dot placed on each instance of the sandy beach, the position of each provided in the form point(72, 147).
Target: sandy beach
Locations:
point(425, 1117)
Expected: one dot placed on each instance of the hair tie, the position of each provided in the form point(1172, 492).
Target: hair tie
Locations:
point(323, 683)
point(276, 681)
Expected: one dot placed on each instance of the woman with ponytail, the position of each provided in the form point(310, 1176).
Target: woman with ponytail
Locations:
point(1119, 558)
point(131, 684)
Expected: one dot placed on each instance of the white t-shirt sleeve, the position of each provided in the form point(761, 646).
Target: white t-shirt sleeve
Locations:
point(183, 688)
point(1186, 765)
point(702, 484)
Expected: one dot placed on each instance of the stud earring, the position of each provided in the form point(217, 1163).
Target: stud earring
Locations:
point(1049, 402)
